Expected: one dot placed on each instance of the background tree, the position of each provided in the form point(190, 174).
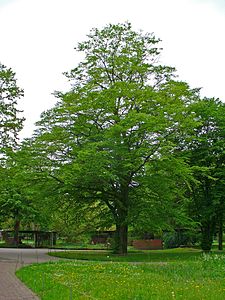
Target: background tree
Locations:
point(15, 201)
point(10, 119)
point(52, 206)
point(11, 123)
point(206, 152)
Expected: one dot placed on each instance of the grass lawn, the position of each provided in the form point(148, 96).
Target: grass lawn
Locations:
point(166, 274)
point(133, 255)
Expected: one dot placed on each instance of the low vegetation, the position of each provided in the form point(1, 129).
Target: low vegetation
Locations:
point(171, 274)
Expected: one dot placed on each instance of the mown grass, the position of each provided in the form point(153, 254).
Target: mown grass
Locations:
point(179, 254)
point(193, 276)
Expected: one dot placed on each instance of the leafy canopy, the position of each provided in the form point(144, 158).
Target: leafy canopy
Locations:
point(10, 119)
point(124, 113)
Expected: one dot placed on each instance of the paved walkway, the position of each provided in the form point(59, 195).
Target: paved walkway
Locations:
point(11, 288)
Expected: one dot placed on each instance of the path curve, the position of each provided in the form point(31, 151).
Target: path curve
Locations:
point(11, 288)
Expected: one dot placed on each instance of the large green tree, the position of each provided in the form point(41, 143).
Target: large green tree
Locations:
point(121, 118)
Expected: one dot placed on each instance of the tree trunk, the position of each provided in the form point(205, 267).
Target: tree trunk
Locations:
point(208, 229)
point(209, 224)
point(16, 240)
point(121, 238)
point(220, 233)
point(120, 215)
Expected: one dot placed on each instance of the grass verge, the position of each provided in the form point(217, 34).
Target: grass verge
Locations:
point(191, 276)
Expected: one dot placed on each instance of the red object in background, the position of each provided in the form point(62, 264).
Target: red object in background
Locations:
point(155, 244)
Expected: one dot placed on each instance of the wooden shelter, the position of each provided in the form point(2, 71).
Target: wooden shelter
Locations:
point(36, 238)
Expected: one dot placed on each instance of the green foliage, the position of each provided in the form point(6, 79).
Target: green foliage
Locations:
point(206, 152)
point(180, 238)
point(10, 120)
point(104, 138)
point(75, 222)
point(15, 201)
point(17, 205)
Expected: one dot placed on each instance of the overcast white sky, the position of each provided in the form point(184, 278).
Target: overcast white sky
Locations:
point(37, 40)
